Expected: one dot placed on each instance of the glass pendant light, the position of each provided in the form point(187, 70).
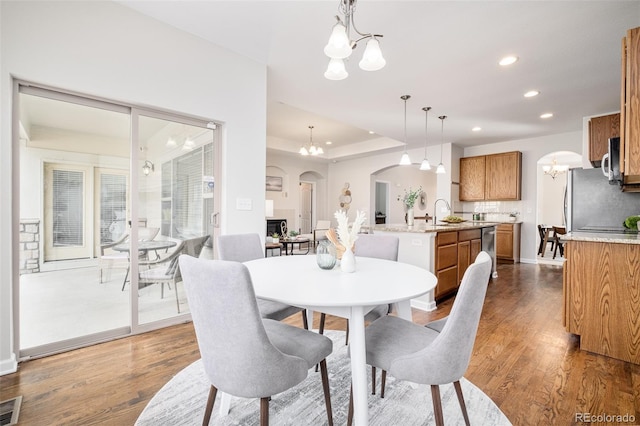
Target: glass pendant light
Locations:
point(405, 160)
point(372, 59)
point(336, 70)
point(440, 169)
point(425, 163)
point(338, 46)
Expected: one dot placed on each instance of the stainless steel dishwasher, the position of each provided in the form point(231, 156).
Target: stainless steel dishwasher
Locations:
point(489, 245)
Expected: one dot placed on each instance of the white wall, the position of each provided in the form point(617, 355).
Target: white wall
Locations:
point(358, 173)
point(401, 178)
point(287, 202)
point(532, 150)
point(107, 50)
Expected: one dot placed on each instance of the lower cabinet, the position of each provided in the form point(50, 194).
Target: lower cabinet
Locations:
point(601, 297)
point(455, 251)
point(508, 242)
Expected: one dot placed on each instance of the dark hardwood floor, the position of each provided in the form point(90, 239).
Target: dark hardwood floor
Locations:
point(523, 359)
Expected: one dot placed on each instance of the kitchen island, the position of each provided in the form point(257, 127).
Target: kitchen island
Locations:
point(601, 292)
point(445, 250)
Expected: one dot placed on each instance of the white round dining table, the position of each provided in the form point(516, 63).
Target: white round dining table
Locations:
point(298, 281)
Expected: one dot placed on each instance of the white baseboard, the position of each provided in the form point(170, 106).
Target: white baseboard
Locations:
point(423, 306)
point(8, 366)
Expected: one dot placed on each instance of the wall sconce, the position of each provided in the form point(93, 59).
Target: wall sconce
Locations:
point(147, 167)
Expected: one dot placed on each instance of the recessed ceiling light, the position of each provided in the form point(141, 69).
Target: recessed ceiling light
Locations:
point(476, 129)
point(546, 115)
point(371, 132)
point(328, 143)
point(508, 60)
point(531, 94)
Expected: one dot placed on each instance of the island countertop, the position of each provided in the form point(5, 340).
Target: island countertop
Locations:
point(422, 227)
point(602, 237)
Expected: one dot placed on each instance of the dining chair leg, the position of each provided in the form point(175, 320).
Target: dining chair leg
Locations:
point(437, 405)
point(325, 387)
point(456, 385)
point(124, 283)
point(177, 301)
point(305, 321)
point(207, 412)
point(346, 339)
point(323, 317)
point(383, 382)
point(264, 411)
point(373, 380)
point(350, 412)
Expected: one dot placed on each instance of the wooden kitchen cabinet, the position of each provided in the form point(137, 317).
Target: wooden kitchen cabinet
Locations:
point(469, 246)
point(446, 263)
point(500, 181)
point(472, 178)
point(455, 251)
point(630, 111)
point(600, 291)
point(601, 129)
point(504, 176)
point(508, 242)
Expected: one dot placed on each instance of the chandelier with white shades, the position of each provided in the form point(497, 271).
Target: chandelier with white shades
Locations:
point(312, 150)
point(340, 45)
point(554, 169)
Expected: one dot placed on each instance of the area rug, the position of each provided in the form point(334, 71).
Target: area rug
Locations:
point(182, 400)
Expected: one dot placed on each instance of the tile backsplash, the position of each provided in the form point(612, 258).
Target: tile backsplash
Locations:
point(495, 210)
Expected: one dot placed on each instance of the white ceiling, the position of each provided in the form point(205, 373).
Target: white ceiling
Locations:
point(443, 54)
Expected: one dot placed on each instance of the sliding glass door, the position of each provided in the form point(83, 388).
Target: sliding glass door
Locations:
point(110, 195)
point(74, 168)
point(176, 187)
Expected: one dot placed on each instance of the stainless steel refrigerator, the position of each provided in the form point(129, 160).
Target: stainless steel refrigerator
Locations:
point(593, 205)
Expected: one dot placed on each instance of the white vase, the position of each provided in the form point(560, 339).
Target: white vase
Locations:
point(348, 261)
point(410, 216)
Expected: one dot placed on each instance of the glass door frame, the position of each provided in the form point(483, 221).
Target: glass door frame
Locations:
point(134, 111)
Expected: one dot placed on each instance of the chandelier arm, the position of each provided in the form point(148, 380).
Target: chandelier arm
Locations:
point(353, 43)
point(348, 8)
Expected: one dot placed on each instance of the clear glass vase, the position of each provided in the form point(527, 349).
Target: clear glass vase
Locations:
point(326, 255)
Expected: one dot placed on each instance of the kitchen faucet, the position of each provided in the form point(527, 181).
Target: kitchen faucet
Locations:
point(435, 212)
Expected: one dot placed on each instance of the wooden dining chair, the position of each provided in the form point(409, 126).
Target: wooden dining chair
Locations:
point(557, 231)
point(543, 232)
point(242, 354)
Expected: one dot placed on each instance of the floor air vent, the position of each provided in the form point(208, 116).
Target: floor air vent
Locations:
point(9, 411)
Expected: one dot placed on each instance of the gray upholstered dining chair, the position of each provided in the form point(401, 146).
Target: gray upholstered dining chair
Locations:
point(423, 355)
point(243, 354)
point(246, 247)
point(380, 247)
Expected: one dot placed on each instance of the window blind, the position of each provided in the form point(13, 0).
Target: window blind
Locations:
point(68, 217)
point(113, 207)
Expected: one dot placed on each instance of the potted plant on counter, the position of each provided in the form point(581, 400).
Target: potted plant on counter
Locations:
point(409, 199)
point(275, 238)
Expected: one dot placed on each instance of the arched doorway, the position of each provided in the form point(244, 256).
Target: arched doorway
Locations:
point(551, 189)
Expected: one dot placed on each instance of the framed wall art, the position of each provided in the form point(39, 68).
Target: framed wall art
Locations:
point(274, 183)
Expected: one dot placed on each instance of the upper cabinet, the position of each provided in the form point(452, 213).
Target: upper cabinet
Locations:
point(472, 172)
point(600, 130)
point(491, 177)
point(630, 111)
